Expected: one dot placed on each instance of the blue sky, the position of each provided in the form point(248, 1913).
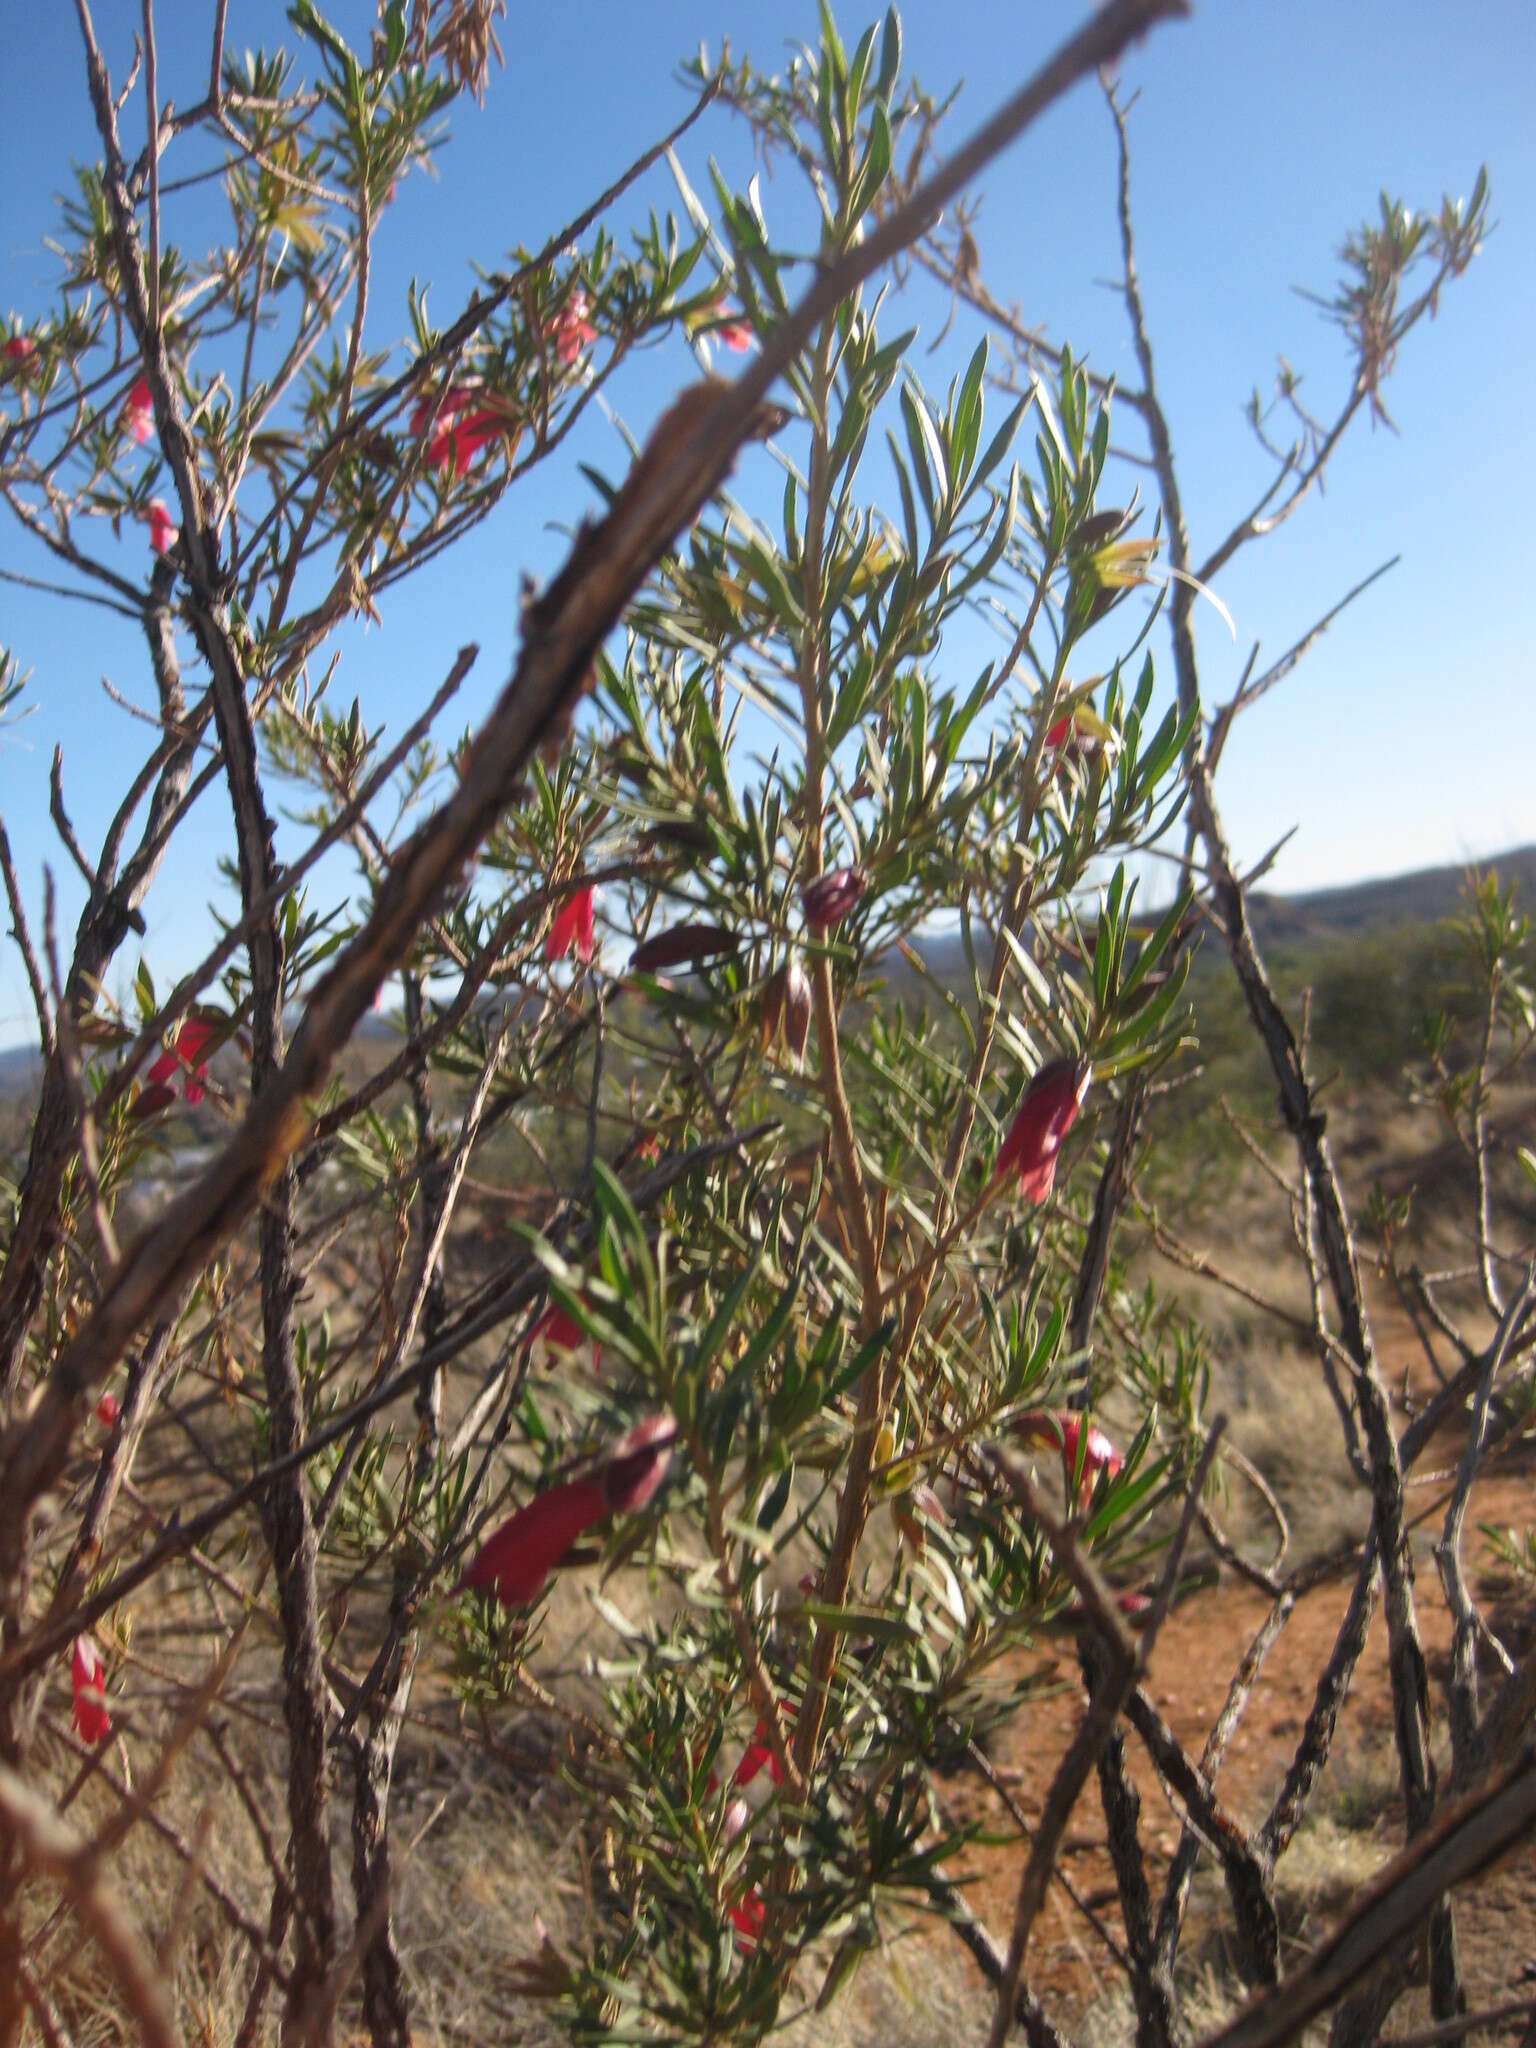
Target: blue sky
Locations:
point(1264, 131)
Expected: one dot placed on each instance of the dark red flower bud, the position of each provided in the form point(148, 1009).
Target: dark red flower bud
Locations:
point(638, 1464)
point(1095, 530)
point(683, 945)
point(1047, 1111)
point(786, 1007)
point(828, 900)
point(150, 1101)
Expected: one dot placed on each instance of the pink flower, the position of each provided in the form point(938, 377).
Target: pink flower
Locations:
point(735, 333)
point(828, 900)
point(1064, 1427)
point(462, 424)
point(1047, 1111)
point(163, 530)
point(189, 1056)
point(572, 929)
point(519, 1556)
point(139, 411)
point(108, 1409)
point(93, 1723)
point(572, 331)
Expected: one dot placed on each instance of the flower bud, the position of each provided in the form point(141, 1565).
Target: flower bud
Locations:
point(1046, 1112)
point(797, 1010)
point(785, 1006)
point(828, 900)
point(683, 945)
point(638, 1464)
point(770, 1008)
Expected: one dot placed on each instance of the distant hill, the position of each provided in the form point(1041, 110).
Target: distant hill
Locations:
point(1359, 910)
point(20, 1066)
point(1426, 896)
point(1319, 917)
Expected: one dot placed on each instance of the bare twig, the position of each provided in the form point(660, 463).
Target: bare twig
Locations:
point(1477, 1831)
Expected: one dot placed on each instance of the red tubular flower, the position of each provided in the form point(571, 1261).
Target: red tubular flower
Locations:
point(572, 330)
point(828, 900)
point(648, 1151)
point(462, 424)
point(19, 349)
point(163, 530)
point(747, 1915)
point(108, 1409)
point(1078, 735)
point(189, 1058)
point(139, 411)
point(518, 1557)
point(1063, 1427)
point(758, 1756)
point(557, 1331)
point(93, 1723)
point(572, 929)
point(1047, 1111)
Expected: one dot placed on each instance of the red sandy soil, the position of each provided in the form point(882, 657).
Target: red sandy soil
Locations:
point(1199, 1649)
